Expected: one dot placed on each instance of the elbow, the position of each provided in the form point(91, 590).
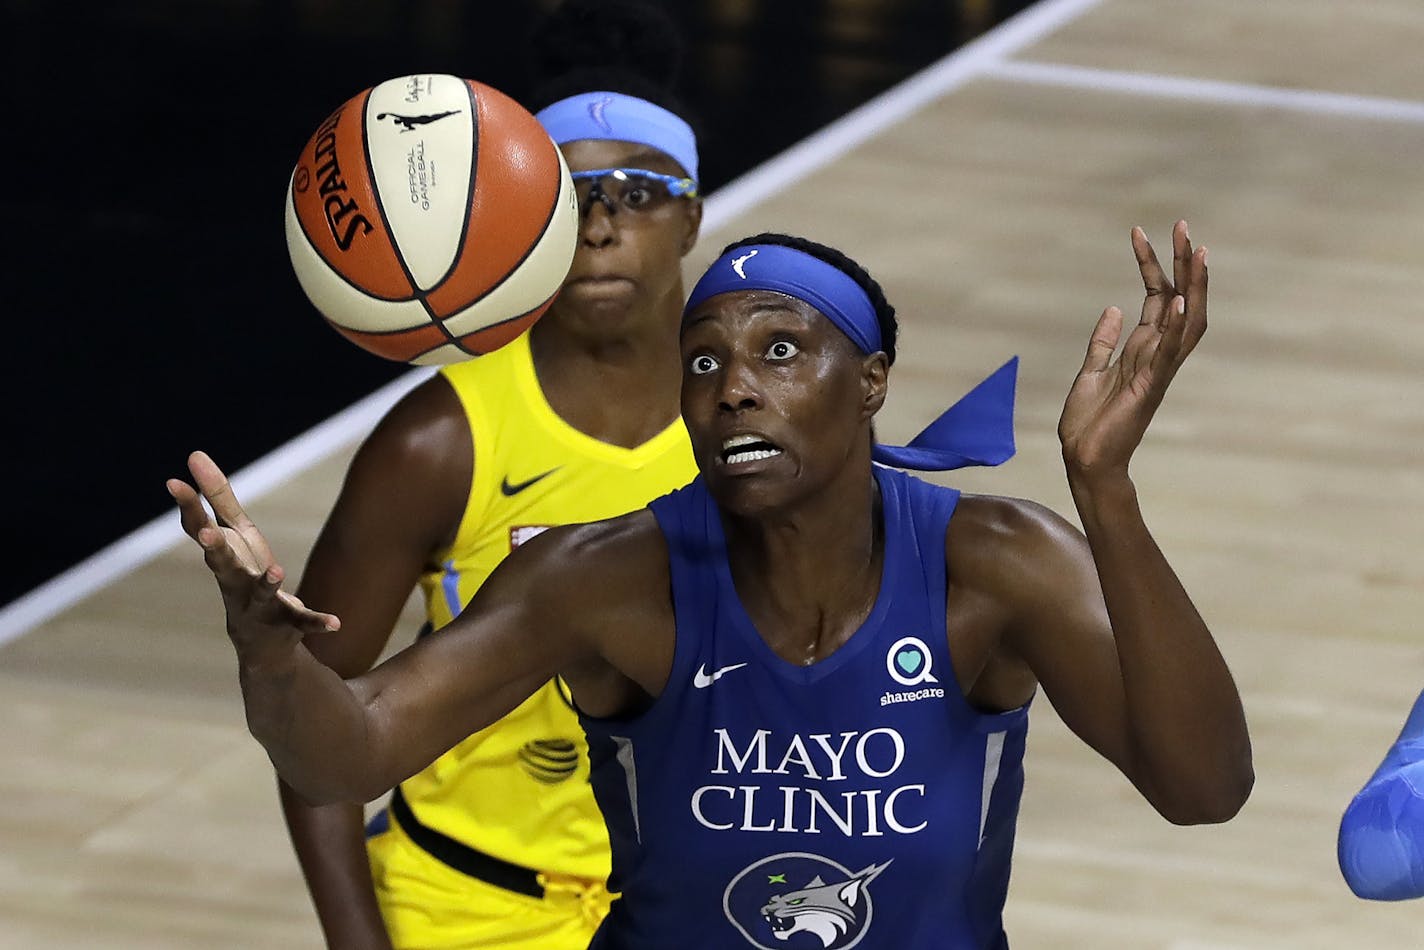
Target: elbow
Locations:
point(1214, 810)
point(1213, 805)
point(329, 791)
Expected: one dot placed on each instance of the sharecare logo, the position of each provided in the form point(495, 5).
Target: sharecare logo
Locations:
point(908, 662)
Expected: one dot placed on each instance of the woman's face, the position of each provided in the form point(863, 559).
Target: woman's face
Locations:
point(628, 260)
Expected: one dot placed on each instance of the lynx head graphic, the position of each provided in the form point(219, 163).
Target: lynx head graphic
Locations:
point(827, 910)
point(832, 910)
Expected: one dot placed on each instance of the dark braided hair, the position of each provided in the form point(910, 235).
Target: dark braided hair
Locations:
point(884, 313)
point(622, 46)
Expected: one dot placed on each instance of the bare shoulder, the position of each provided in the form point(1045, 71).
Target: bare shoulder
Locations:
point(998, 542)
point(402, 498)
point(428, 424)
point(601, 575)
point(1000, 524)
point(608, 583)
point(620, 543)
point(410, 480)
point(627, 547)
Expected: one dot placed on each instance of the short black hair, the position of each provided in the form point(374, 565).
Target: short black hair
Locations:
point(884, 313)
point(622, 46)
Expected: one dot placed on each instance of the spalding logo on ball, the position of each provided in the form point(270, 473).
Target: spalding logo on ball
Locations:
point(431, 219)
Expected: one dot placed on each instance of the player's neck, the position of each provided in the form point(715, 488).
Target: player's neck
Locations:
point(809, 578)
point(621, 389)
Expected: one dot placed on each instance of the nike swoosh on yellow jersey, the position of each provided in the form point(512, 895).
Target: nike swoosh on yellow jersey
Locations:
point(509, 491)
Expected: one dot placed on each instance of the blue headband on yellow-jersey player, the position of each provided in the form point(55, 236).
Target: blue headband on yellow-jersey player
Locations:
point(621, 118)
point(976, 430)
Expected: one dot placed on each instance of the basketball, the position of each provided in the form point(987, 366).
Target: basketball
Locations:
point(430, 219)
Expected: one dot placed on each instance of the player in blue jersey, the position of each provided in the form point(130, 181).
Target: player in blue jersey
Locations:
point(804, 677)
point(1382, 832)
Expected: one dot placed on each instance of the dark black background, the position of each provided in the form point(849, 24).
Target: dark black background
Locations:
point(149, 304)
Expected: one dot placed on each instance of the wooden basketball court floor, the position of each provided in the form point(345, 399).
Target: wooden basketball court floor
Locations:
point(1283, 477)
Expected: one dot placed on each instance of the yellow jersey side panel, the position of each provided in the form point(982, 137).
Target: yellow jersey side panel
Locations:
point(502, 790)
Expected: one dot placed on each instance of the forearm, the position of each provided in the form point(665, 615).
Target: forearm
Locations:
point(1381, 845)
point(1189, 745)
point(330, 843)
point(314, 727)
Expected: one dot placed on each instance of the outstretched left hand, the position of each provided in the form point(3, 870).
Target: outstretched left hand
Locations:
point(1111, 402)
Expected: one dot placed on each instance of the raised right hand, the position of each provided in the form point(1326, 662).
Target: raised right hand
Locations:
point(264, 622)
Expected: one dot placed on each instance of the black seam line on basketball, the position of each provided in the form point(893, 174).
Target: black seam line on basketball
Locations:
point(499, 323)
point(469, 189)
point(395, 245)
point(553, 209)
point(331, 266)
point(331, 263)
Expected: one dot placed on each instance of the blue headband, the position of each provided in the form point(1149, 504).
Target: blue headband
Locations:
point(616, 117)
point(976, 430)
point(796, 274)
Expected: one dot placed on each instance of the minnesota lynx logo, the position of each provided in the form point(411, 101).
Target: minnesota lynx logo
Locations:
point(801, 900)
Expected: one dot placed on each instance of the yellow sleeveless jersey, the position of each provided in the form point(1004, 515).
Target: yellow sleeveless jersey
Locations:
point(519, 790)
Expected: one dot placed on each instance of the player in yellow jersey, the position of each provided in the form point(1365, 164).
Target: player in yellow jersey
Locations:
point(499, 843)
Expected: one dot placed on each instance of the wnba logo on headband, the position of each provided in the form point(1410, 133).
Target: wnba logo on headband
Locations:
point(595, 112)
point(797, 274)
point(739, 262)
point(614, 116)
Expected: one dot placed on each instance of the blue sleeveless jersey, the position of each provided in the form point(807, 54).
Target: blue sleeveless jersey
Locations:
point(858, 801)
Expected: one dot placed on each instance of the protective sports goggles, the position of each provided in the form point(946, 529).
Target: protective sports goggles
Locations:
point(635, 190)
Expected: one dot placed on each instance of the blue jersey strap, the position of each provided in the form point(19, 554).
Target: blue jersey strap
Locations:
point(1381, 848)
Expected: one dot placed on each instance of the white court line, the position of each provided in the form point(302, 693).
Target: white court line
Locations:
point(1208, 90)
point(821, 148)
point(139, 547)
point(968, 62)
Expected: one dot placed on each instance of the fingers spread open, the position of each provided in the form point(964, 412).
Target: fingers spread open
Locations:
point(216, 489)
point(191, 513)
point(226, 508)
point(1170, 351)
point(1103, 342)
point(1154, 279)
point(268, 585)
point(226, 563)
point(310, 621)
point(1197, 293)
point(1181, 256)
point(1156, 288)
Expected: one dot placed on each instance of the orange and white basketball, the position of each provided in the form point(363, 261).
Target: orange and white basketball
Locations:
point(431, 219)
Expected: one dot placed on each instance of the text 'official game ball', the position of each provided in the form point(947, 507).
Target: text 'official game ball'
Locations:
point(431, 219)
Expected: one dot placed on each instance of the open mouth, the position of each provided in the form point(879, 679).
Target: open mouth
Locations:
point(740, 449)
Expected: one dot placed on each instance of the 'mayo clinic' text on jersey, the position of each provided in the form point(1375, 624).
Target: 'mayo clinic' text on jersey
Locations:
point(856, 801)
